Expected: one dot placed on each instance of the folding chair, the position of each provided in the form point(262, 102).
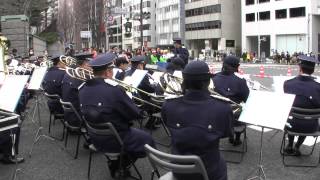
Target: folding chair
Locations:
point(303, 115)
point(55, 115)
point(158, 118)
point(174, 164)
point(244, 147)
point(107, 129)
point(69, 108)
point(238, 129)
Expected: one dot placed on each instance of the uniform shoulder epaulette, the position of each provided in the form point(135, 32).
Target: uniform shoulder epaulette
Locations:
point(111, 82)
point(173, 97)
point(81, 85)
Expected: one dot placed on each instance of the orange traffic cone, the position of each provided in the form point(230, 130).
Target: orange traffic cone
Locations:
point(262, 72)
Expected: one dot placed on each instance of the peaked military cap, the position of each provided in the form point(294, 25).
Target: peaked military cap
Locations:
point(307, 61)
point(138, 59)
point(82, 57)
point(232, 61)
point(196, 70)
point(177, 40)
point(103, 61)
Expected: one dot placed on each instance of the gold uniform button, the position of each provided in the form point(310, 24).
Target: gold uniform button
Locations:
point(210, 126)
point(99, 104)
point(178, 125)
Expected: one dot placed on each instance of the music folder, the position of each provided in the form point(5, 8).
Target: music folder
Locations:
point(267, 109)
point(37, 78)
point(11, 91)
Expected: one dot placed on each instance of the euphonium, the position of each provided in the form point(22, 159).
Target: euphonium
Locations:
point(177, 89)
point(68, 60)
point(84, 74)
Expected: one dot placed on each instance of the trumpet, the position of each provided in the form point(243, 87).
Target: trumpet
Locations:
point(84, 74)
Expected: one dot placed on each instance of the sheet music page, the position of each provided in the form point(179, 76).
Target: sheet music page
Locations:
point(318, 79)
point(178, 74)
point(11, 90)
point(278, 82)
point(136, 78)
point(156, 76)
point(2, 65)
point(267, 109)
point(37, 78)
point(2, 78)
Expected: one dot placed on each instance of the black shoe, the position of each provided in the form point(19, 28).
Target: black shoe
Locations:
point(231, 140)
point(86, 145)
point(237, 142)
point(113, 167)
point(12, 160)
point(289, 150)
point(296, 152)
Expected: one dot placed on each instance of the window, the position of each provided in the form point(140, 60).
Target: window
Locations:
point(281, 14)
point(298, 12)
point(203, 25)
point(264, 15)
point(249, 2)
point(230, 43)
point(204, 10)
point(250, 17)
point(264, 1)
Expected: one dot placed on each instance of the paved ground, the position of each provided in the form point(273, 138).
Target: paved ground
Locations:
point(50, 161)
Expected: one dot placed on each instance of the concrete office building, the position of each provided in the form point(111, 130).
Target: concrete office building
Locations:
point(133, 15)
point(212, 25)
point(170, 18)
point(280, 25)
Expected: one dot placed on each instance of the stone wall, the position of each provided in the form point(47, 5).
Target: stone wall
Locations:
point(16, 29)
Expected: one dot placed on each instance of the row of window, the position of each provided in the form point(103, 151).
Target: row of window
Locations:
point(170, 8)
point(204, 10)
point(279, 14)
point(115, 39)
point(145, 38)
point(204, 25)
point(145, 27)
point(190, 1)
point(144, 4)
point(250, 2)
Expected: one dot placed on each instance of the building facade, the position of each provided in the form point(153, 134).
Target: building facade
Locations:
point(170, 16)
point(212, 26)
point(270, 26)
point(132, 40)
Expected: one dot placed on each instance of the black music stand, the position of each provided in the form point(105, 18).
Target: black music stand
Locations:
point(272, 115)
point(35, 85)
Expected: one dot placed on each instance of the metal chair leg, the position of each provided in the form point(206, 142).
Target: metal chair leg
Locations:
point(89, 164)
point(77, 148)
point(66, 139)
point(50, 122)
